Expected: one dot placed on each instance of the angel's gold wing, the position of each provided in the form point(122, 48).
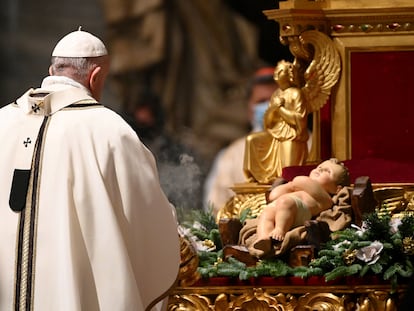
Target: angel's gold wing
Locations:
point(323, 71)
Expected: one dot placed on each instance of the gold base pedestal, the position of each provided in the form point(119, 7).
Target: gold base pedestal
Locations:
point(302, 294)
point(250, 196)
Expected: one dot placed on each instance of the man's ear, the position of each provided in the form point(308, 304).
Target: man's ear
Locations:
point(94, 77)
point(95, 82)
point(50, 70)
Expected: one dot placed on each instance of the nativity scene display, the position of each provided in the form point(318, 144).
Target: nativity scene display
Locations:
point(320, 224)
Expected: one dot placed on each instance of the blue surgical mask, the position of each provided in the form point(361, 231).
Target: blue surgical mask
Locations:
point(258, 113)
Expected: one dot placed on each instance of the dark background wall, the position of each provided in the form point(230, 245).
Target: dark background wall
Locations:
point(29, 30)
point(28, 33)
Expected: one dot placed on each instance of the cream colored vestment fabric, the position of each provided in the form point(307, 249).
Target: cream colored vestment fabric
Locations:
point(96, 232)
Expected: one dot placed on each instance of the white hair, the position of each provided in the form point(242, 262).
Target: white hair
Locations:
point(76, 68)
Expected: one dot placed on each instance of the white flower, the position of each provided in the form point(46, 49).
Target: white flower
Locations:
point(360, 230)
point(395, 222)
point(343, 244)
point(370, 254)
point(184, 231)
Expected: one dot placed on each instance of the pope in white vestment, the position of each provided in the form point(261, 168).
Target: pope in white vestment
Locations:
point(84, 224)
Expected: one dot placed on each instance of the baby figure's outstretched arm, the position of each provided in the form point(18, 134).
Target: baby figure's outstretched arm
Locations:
point(315, 196)
point(280, 190)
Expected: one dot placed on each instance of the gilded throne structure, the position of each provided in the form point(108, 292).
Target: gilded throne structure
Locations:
point(365, 122)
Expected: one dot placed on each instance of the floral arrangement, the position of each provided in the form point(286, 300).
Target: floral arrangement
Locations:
point(382, 246)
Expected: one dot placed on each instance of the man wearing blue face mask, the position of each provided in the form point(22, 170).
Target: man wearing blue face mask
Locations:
point(227, 168)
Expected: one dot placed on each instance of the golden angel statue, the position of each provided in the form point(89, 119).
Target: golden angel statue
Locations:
point(283, 142)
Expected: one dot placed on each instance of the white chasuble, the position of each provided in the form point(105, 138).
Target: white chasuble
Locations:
point(84, 224)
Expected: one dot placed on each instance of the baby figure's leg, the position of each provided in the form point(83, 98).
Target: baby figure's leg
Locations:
point(266, 222)
point(275, 220)
point(263, 244)
point(285, 215)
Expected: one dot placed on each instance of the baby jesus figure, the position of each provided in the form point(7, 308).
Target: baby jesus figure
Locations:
point(299, 200)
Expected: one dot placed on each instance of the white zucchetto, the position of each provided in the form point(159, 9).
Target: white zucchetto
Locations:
point(79, 43)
